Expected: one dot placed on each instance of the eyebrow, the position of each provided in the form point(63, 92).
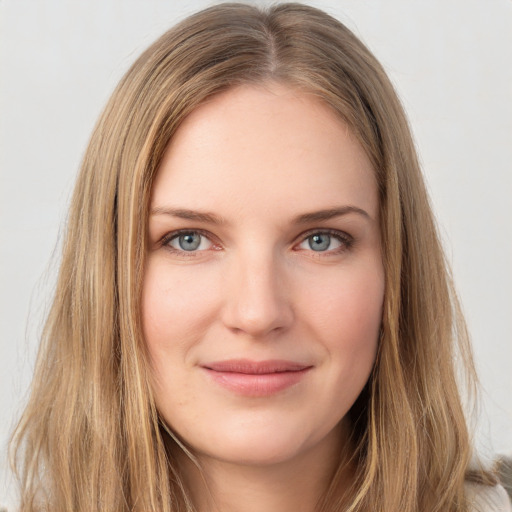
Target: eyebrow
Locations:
point(330, 213)
point(212, 218)
point(183, 213)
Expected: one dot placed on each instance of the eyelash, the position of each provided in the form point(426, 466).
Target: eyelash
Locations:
point(345, 239)
point(165, 242)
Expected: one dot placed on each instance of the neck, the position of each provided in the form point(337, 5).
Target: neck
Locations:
point(288, 486)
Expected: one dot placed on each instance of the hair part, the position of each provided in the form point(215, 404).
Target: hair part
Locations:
point(90, 437)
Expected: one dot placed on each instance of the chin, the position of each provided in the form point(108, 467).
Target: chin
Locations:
point(257, 452)
point(263, 444)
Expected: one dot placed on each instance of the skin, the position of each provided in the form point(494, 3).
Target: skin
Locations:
point(257, 158)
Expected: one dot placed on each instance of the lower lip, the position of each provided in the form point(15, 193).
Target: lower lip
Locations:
point(250, 384)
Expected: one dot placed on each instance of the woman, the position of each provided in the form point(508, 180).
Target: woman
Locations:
point(253, 310)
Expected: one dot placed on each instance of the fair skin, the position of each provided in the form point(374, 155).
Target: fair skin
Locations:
point(262, 314)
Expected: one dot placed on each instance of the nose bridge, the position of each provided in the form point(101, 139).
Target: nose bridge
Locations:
point(257, 300)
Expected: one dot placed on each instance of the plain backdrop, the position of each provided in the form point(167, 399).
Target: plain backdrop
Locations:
point(451, 61)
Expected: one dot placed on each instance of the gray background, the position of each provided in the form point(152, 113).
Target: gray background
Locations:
point(451, 61)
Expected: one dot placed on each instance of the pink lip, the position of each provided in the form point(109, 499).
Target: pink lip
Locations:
point(256, 378)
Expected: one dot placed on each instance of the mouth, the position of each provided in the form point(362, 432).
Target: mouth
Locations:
point(256, 378)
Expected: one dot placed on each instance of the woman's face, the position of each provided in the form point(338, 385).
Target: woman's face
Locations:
point(263, 289)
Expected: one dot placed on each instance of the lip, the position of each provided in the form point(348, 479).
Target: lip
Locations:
point(256, 378)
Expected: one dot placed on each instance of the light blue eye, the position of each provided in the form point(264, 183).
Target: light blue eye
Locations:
point(323, 242)
point(319, 241)
point(189, 242)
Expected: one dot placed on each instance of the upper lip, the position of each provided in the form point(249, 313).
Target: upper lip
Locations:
point(255, 367)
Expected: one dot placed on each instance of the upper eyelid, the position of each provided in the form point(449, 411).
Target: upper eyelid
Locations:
point(343, 235)
point(177, 232)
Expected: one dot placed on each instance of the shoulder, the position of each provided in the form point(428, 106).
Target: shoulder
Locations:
point(483, 498)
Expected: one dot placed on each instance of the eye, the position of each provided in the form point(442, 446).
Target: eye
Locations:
point(326, 241)
point(189, 241)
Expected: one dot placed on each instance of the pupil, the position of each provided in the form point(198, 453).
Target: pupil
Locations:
point(189, 241)
point(319, 242)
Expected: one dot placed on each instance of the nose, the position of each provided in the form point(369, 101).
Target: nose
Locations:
point(257, 297)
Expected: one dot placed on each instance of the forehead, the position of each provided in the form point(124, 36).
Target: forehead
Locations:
point(254, 149)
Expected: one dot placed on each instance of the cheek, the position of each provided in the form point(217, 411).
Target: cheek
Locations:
point(346, 314)
point(348, 305)
point(175, 309)
point(176, 306)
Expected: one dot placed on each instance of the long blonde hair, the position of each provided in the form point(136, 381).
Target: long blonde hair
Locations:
point(90, 437)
